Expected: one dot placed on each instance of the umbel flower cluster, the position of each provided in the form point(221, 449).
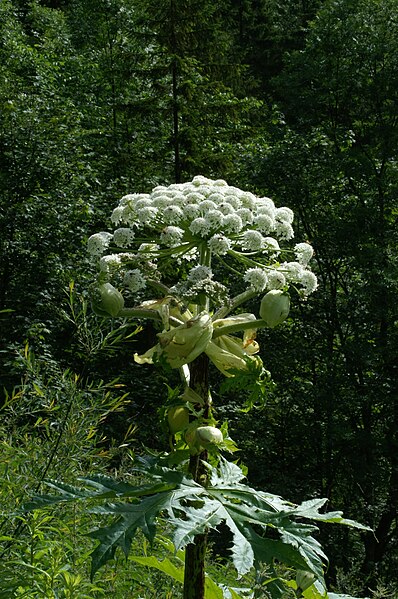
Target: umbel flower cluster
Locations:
point(174, 240)
point(199, 220)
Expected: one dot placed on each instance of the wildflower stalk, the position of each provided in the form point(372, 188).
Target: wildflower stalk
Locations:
point(194, 225)
point(195, 553)
point(235, 302)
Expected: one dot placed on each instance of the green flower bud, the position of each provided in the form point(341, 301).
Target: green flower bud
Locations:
point(208, 435)
point(107, 300)
point(274, 307)
point(177, 418)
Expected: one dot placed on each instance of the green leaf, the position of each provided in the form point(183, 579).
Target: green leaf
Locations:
point(228, 472)
point(239, 593)
point(67, 493)
point(212, 590)
point(105, 488)
point(309, 549)
point(268, 550)
point(242, 550)
point(119, 534)
point(164, 565)
point(196, 521)
point(276, 588)
point(309, 509)
point(316, 591)
point(192, 510)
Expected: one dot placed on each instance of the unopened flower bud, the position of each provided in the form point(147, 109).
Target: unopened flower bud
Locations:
point(208, 435)
point(274, 307)
point(107, 300)
point(177, 418)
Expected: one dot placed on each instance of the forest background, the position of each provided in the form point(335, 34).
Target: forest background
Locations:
point(294, 100)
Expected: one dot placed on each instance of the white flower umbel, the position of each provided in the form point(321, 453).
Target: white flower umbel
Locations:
point(206, 206)
point(214, 220)
point(171, 236)
point(284, 215)
point(200, 226)
point(173, 214)
point(275, 280)
point(123, 237)
point(219, 245)
point(246, 216)
point(304, 253)
point(110, 263)
point(117, 215)
point(232, 223)
point(284, 230)
point(257, 278)
point(199, 273)
point(191, 211)
point(266, 206)
point(134, 280)
point(147, 215)
point(226, 208)
point(195, 225)
point(252, 241)
point(308, 281)
point(271, 245)
point(264, 223)
point(98, 243)
point(292, 271)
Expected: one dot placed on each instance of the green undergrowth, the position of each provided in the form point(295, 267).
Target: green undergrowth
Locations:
point(51, 428)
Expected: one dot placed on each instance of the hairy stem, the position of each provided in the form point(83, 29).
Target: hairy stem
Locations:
point(235, 302)
point(194, 573)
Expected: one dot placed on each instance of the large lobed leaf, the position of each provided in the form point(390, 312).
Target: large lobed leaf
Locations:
point(193, 509)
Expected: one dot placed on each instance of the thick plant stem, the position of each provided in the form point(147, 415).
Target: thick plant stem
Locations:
point(194, 573)
point(194, 577)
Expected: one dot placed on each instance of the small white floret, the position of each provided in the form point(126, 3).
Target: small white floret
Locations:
point(304, 253)
point(134, 280)
point(123, 237)
point(219, 245)
point(171, 236)
point(252, 240)
point(98, 243)
point(257, 278)
point(309, 282)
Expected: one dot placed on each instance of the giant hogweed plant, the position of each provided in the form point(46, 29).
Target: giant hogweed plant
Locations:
point(166, 249)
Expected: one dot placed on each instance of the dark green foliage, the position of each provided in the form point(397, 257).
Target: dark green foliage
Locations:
point(335, 164)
